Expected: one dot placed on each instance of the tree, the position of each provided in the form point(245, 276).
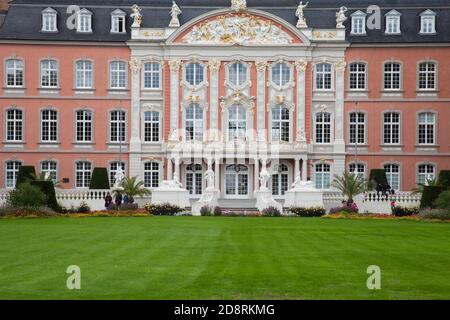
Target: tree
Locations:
point(99, 179)
point(132, 187)
point(25, 174)
point(350, 185)
point(42, 177)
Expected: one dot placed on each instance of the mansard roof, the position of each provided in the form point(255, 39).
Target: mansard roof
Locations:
point(23, 20)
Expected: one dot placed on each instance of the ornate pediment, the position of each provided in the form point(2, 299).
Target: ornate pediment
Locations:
point(237, 29)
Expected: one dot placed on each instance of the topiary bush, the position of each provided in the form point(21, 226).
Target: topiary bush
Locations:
point(206, 211)
point(443, 201)
point(26, 195)
point(444, 178)
point(400, 211)
point(25, 174)
point(271, 212)
point(307, 212)
point(429, 196)
point(165, 209)
point(377, 176)
point(48, 189)
point(99, 179)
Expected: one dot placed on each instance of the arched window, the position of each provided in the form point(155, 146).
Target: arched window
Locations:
point(151, 126)
point(323, 76)
point(427, 172)
point(391, 128)
point(237, 73)
point(83, 73)
point(151, 175)
point(357, 128)
point(118, 75)
point(237, 123)
point(194, 73)
point(49, 73)
point(392, 76)
point(118, 126)
point(84, 126)
point(427, 76)
point(280, 180)
point(194, 123)
point(236, 180)
point(393, 175)
point(427, 128)
point(323, 176)
point(14, 125)
point(50, 168)
point(113, 168)
point(14, 73)
point(323, 127)
point(49, 126)
point(357, 74)
point(152, 75)
point(281, 74)
point(194, 179)
point(11, 172)
point(280, 123)
point(83, 172)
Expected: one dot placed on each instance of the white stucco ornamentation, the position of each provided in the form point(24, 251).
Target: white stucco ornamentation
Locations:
point(240, 29)
point(135, 65)
point(136, 15)
point(341, 18)
point(340, 66)
point(301, 17)
point(174, 13)
point(238, 5)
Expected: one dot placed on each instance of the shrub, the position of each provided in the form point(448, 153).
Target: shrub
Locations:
point(377, 176)
point(83, 208)
point(443, 201)
point(400, 211)
point(429, 195)
point(165, 209)
point(307, 212)
point(206, 211)
point(48, 189)
point(271, 212)
point(26, 195)
point(217, 212)
point(24, 211)
point(348, 210)
point(99, 179)
point(444, 178)
point(439, 214)
point(25, 174)
point(123, 207)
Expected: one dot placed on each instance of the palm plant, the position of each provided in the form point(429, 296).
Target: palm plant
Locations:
point(432, 182)
point(42, 176)
point(132, 187)
point(350, 185)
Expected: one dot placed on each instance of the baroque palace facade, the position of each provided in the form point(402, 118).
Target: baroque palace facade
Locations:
point(168, 90)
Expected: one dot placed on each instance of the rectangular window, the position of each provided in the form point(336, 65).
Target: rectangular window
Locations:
point(427, 173)
point(323, 128)
point(118, 24)
point(392, 74)
point(84, 74)
point(49, 169)
point(323, 76)
point(118, 75)
point(357, 73)
point(83, 174)
point(84, 23)
point(14, 73)
point(151, 126)
point(357, 128)
point(391, 128)
point(11, 172)
point(49, 126)
point(393, 176)
point(151, 175)
point(49, 21)
point(323, 176)
point(427, 24)
point(393, 25)
point(84, 126)
point(113, 168)
point(49, 74)
point(118, 126)
point(358, 25)
point(427, 123)
point(427, 76)
point(152, 75)
point(14, 125)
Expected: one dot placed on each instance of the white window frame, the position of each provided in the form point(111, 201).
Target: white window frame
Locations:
point(424, 174)
point(84, 74)
point(14, 170)
point(393, 73)
point(194, 173)
point(117, 126)
point(87, 126)
point(16, 123)
point(358, 74)
point(273, 135)
point(198, 73)
point(281, 74)
point(196, 123)
point(112, 170)
point(18, 66)
point(49, 68)
point(426, 126)
point(393, 126)
point(238, 77)
point(355, 126)
point(393, 23)
point(358, 23)
point(150, 125)
point(117, 73)
point(361, 169)
point(49, 20)
point(51, 167)
point(323, 128)
point(428, 23)
point(84, 171)
point(117, 16)
point(322, 86)
point(51, 125)
point(84, 21)
point(238, 124)
point(154, 76)
point(428, 74)
point(152, 174)
point(390, 174)
point(278, 176)
point(323, 184)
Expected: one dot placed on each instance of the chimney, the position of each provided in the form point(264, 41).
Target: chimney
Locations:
point(4, 5)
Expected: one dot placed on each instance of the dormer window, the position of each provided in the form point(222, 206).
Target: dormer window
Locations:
point(84, 21)
point(49, 19)
point(393, 22)
point(118, 21)
point(358, 22)
point(428, 22)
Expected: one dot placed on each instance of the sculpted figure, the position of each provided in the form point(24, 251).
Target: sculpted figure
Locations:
point(341, 18)
point(175, 12)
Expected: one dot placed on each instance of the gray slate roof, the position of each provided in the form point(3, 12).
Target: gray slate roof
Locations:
point(23, 20)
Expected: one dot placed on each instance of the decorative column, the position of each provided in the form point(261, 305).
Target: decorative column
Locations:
point(304, 169)
point(214, 67)
point(339, 109)
point(177, 168)
point(261, 67)
point(174, 98)
point(297, 167)
point(256, 177)
point(169, 169)
point(301, 102)
point(217, 173)
point(135, 139)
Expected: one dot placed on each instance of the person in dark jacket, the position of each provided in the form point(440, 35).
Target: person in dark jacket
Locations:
point(118, 199)
point(108, 200)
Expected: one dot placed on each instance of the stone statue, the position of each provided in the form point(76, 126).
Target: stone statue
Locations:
point(47, 176)
point(176, 180)
point(210, 179)
point(118, 178)
point(136, 15)
point(341, 18)
point(264, 177)
point(238, 5)
point(297, 181)
point(175, 12)
point(299, 13)
point(299, 184)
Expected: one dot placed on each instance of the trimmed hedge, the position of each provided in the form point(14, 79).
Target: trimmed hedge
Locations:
point(429, 195)
point(307, 212)
point(400, 211)
point(99, 179)
point(25, 174)
point(444, 178)
point(378, 175)
point(48, 189)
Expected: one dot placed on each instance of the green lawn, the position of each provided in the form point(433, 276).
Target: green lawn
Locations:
point(223, 258)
